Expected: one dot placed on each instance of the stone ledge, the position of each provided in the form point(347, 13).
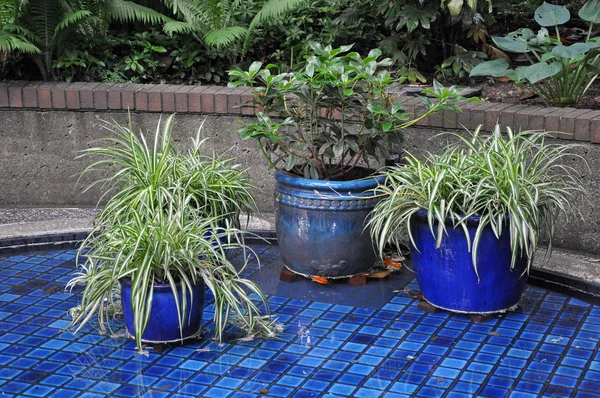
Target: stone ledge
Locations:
point(566, 123)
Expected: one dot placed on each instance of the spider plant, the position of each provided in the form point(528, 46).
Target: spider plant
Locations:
point(514, 183)
point(169, 222)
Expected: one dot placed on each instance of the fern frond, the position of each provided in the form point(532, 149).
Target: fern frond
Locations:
point(275, 8)
point(205, 14)
point(10, 42)
point(224, 37)
point(128, 11)
point(71, 19)
point(271, 10)
point(172, 27)
point(19, 30)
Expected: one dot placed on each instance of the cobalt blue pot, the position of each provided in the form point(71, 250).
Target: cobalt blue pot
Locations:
point(320, 225)
point(447, 277)
point(163, 324)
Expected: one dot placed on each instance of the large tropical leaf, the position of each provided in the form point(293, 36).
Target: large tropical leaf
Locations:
point(551, 15)
point(571, 51)
point(496, 68)
point(510, 44)
point(590, 11)
point(537, 72)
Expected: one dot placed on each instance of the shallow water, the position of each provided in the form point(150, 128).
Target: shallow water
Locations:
point(339, 340)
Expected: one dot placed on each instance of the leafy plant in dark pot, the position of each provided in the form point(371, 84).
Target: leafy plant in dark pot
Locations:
point(473, 215)
point(322, 127)
point(162, 237)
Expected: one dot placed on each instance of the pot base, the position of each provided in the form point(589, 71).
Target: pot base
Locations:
point(196, 335)
point(335, 277)
point(500, 311)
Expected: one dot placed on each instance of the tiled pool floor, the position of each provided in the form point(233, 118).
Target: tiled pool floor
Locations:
point(548, 347)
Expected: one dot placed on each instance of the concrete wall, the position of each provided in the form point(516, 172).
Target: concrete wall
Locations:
point(38, 151)
point(38, 165)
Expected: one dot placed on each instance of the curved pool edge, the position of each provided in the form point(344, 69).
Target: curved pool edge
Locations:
point(562, 282)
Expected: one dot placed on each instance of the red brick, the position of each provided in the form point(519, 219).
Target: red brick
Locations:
point(449, 119)
point(181, 99)
point(234, 99)
point(86, 95)
point(72, 94)
point(418, 112)
point(30, 99)
point(101, 95)
point(595, 130)
point(492, 115)
point(435, 120)
point(582, 126)
point(552, 123)
point(478, 114)
point(59, 100)
point(168, 98)
point(248, 105)
point(521, 121)
point(155, 98)
point(221, 97)
point(507, 116)
point(15, 94)
point(567, 123)
point(537, 119)
point(195, 98)
point(4, 94)
point(464, 117)
point(44, 94)
point(208, 99)
point(141, 97)
point(114, 95)
point(128, 96)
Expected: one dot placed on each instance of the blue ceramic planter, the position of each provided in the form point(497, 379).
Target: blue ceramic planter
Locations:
point(163, 325)
point(320, 225)
point(447, 277)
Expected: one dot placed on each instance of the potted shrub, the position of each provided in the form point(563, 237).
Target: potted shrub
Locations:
point(473, 216)
point(324, 127)
point(162, 237)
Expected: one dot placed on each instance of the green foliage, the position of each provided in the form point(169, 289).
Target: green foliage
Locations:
point(318, 104)
point(516, 184)
point(215, 22)
point(48, 29)
point(565, 71)
point(461, 63)
point(169, 221)
point(426, 34)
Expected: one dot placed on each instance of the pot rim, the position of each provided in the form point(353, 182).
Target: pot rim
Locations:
point(364, 183)
point(421, 214)
point(160, 286)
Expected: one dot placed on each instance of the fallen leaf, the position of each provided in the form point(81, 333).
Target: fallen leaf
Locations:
point(493, 334)
point(502, 79)
point(592, 260)
point(264, 391)
point(320, 279)
point(391, 263)
point(527, 95)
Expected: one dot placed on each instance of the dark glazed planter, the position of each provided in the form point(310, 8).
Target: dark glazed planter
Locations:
point(320, 225)
point(447, 277)
point(163, 325)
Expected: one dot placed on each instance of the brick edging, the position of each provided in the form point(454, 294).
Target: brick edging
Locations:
point(575, 124)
